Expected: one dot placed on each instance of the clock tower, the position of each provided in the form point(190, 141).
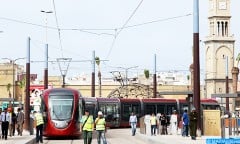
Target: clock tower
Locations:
point(219, 45)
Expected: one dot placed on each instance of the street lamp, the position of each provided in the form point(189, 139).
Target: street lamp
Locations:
point(12, 61)
point(46, 20)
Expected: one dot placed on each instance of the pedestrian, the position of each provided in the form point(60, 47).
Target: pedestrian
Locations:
point(185, 123)
point(13, 124)
point(173, 123)
point(193, 123)
point(5, 118)
point(163, 120)
point(133, 123)
point(38, 118)
point(20, 121)
point(0, 123)
point(87, 127)
point(9, 110)
point(153, 122)
point(100, 124)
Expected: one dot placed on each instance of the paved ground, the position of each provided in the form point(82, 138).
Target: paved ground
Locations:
point(114, 136)
point(26, 138)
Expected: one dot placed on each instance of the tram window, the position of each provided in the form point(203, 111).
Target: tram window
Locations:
point(170, 108)
point(160, 109)
point(182, 108)
point(110, 111)
point(61, 108)
point(126, 112)
point(150, 108)
point(136, 109)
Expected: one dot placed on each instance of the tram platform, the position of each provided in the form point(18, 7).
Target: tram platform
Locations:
point(26, 138)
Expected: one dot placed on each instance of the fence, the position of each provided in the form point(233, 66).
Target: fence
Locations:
point(230, 127)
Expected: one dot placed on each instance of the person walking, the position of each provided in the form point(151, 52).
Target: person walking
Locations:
point(38, 118)
point(153, 122)
point(0, 122)
point(133, 123)
point(173, 123)
point(20, 121)
point(5, 118)
point(13, 124)
point(193, 123)
point(185, 123)
point(163, 120)
point(87, 127)
point(101, 128)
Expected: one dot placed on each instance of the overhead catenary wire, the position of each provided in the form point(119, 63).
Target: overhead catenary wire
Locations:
point(58, 29)
point(89, 30)
point(118, 32)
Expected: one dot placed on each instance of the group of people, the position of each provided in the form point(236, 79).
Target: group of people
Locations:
point(9, 120)
point(161, 122)
point(88, 124)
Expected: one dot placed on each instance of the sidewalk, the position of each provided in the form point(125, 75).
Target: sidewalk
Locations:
point(168, 139)
point(26, 138)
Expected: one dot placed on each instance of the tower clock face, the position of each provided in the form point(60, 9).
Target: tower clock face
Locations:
point(222, 5)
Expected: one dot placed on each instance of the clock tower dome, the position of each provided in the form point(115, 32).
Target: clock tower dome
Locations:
point(219, 45)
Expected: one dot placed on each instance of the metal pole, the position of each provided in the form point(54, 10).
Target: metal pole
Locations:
point(46, 68)
point(93, 74)
point(13, 84)
point(227, 89)
point(196, 61)
point(27, 98)
point(63, 84)
point(155, 77)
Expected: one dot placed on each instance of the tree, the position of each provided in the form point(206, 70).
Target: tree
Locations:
point(97, 60)
point(9, 93)
point(22, 85)
point(146, 73)
point(8, 89)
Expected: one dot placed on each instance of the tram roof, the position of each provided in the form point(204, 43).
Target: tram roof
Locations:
point(129, 100)
point(152, 100)
point(107, 99)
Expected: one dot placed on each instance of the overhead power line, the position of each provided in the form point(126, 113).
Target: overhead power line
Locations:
point(118, 32)
point(58, 29)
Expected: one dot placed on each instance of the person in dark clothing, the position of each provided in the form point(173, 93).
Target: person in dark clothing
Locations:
point(164, 122)
point(193, 123)
point(14, 120)
point(5, 118)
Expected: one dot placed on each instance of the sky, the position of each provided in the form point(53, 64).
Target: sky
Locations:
point(123, 33)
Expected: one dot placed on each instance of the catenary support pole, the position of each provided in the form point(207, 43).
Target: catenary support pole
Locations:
point(196, 90)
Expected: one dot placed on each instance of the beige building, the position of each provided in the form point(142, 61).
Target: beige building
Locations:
point(219, 48)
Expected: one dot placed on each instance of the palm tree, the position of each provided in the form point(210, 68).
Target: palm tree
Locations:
point(146, 73)
point(97, 60)
point(22, 84)
point(9, 93)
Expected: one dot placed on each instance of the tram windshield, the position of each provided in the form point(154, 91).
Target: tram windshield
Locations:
point(61, 107)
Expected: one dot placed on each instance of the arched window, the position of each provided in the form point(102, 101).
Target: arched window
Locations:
point(226, 28)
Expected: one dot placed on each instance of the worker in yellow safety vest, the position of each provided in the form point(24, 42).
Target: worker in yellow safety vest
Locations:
point(87, 127)
point(38, 118)
point(101, 128)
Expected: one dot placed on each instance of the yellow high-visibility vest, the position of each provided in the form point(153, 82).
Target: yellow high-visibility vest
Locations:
point(89, 123)
point(39, 119)
point(100, 125)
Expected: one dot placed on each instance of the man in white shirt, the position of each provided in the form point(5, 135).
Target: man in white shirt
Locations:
point(5, 118)
point(133, 123)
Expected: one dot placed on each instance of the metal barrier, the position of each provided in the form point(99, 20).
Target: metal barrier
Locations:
point(230, 127)
point(142, 126)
